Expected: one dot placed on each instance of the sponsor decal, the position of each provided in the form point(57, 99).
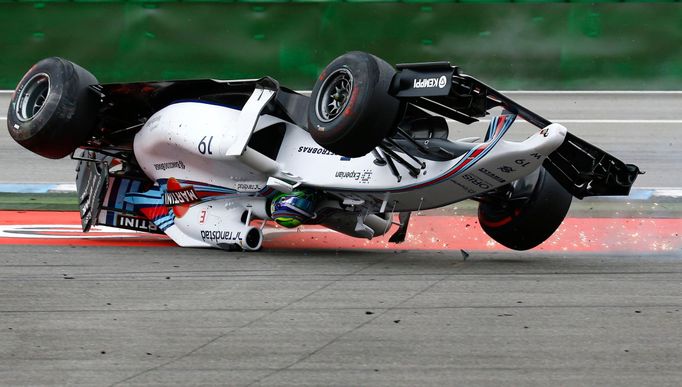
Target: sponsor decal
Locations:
point(221, 236)
point(172, 199)
point(363, 177)
point(246, 186)
point(179, 197)
point(475, 181)
point(544, 132)
point(135, 223)
point(315, 150)
point(491, 175)
point(506, 169)
point(424, 83)
point(169, 165)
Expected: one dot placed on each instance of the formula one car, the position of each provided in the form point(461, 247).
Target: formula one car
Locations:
point(201, 160)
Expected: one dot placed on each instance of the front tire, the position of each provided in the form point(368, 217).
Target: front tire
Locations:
point(52, 111)
point(533, 213)
point(351, 109)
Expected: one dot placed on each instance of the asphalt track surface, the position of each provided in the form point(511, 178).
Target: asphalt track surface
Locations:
point(322, 315)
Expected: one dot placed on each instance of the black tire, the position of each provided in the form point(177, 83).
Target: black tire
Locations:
point(52, 111)
point(523, 224)
point(351, 118)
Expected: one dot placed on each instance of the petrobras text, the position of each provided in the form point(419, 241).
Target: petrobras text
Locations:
point(315, 150)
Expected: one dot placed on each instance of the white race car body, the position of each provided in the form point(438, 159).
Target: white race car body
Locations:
point(201, 148)
point(207, 162)
point(204, 160)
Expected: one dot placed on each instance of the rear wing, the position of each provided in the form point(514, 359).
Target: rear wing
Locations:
point(582, 168)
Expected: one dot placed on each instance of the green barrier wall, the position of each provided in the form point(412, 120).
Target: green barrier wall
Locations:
point(511, 46)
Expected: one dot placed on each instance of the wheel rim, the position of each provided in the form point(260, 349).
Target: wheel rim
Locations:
point(334, 95)
point(32, 97)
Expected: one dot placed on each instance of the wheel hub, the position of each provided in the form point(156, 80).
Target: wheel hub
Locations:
point(32, 97)
point(334, 95)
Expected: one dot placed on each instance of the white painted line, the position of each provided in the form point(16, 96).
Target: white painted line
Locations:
point(68, 231)
point(660, 188)
point(669, 192)
point(38, 187)
point(60, 188)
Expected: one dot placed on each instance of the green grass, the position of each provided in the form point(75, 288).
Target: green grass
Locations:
point(45, 202)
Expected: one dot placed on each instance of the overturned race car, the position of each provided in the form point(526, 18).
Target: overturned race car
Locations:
point(208, 162)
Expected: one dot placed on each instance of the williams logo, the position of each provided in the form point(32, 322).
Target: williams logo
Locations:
point(424, 83)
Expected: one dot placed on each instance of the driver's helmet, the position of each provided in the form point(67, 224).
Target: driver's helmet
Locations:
point(292, 209)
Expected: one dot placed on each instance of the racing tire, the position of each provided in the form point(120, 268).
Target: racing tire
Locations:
point(52, 110)
point(524, 224)
point(350, 108)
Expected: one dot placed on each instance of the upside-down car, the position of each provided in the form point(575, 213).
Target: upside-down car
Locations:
point(203, 160)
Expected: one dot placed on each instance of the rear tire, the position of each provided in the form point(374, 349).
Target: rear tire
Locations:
point(52, 111)
point(523, 224)
point(350, 108)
